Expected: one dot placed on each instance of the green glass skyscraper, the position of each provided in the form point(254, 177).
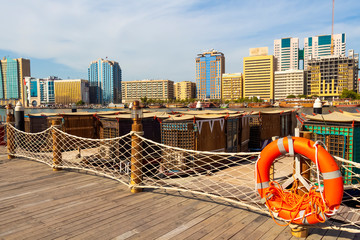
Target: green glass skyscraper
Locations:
point(12, 73)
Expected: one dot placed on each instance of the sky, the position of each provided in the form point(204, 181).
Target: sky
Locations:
point(160, 39)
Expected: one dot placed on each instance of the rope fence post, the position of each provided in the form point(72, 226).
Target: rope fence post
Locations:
point(57, 157)
point(10, 132)
point(136, 156)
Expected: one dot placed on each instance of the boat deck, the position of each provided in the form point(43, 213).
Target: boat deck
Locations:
point(37, 203)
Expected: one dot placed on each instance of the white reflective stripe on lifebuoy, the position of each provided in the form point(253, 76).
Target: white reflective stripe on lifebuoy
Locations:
point(322, 215)
point(262, 185)
point(301, 214)
point(291, 146)
point(304, 221)
point(276, 214)
point(331, 175)
point(280, 145)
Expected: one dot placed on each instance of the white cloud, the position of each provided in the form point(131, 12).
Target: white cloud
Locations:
point(159, 38)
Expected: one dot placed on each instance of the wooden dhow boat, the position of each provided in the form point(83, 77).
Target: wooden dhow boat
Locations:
point(346, 103)
point(298, 103)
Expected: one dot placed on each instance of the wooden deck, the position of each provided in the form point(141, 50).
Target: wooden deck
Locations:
point(37, 203)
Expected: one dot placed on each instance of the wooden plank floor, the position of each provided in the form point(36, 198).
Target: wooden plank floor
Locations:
point(37, 203)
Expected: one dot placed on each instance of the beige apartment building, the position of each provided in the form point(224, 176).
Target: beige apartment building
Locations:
point(155, 89)
point(259, 74)
point(184, 90)
point(231, 87)
point(289, 82)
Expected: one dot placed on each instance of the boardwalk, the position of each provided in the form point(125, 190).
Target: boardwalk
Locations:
point(37, 203)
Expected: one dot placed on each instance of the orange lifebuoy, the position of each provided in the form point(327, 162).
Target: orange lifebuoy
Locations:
point(315, 207)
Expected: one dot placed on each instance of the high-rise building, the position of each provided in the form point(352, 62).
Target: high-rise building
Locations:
point(232, 88)
point(105, 82)
point(210, 66)
point(289, 82)
point(259, 74)
point(184, 90)
point(320, 46)
point(71, 91)
point(286, 53)
point(40, 91)
point(12, 73)
point(32, 86)
point(328, 76)
point(154, 89)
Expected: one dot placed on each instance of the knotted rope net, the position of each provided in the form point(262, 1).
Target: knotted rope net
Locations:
point(226, 176)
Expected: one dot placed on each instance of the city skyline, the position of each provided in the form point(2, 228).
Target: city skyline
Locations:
point(149, 39)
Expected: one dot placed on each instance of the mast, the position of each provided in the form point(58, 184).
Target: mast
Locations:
point(332, 29)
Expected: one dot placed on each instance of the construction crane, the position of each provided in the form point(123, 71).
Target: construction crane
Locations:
point(332, 29)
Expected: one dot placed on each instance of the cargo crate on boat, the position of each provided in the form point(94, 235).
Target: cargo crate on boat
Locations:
point(244, 137)
point(81, 125)
point(35, 123)
point(264, 125)
point(277, 123)
point(119, 125)
point(202, 132)
point(341, 135)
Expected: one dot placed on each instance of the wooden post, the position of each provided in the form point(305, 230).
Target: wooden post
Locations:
point(136, 158)
point(272, 167)
point(304, 163)
point(10, 132)
point(299, 230)
point(57, 157)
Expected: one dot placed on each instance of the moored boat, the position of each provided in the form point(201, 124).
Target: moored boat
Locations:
point(117, 106)
point(224, 105)
point(237, 105)
point(203, 105)
point(175, 105)
point(298, 103)
point(346, 103)
point(156, 105)
point(259, 105)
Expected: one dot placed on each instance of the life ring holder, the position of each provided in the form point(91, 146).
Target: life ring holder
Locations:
point(315, 206)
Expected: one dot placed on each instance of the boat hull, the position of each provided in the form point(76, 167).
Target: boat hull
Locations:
point(203, 105)
point(156, 106)
point(236, 105)
point(259, 105)
point(347, 105)
point(291, 105)
point(175, 105)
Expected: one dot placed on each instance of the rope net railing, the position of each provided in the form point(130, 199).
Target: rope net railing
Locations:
point(2, 135)
point(226, 176)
